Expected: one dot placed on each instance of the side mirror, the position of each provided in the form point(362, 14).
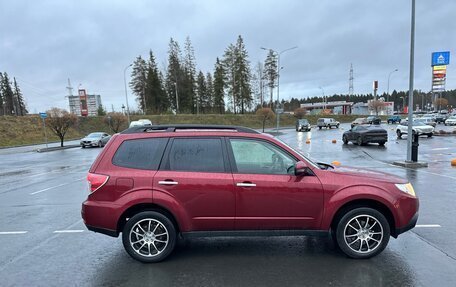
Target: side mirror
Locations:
point(300, 168)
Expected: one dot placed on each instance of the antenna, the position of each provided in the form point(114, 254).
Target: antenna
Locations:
point(350, 81)
point(69, 88)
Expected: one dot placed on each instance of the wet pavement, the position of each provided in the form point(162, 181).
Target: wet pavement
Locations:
point(43, 241)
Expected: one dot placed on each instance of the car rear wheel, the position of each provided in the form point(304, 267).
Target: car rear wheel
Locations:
point(399, 134)
point(381, 143)
point(319, 127)
point(344, 139)
point(430, 135)
point(83, 146)
point(149, 236)
point(362, 233)
point(337, 126)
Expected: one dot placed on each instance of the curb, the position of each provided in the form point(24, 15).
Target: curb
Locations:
point(409, 164)
point(57, 148)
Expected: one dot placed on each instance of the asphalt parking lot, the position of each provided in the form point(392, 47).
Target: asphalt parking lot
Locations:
point(43, 241)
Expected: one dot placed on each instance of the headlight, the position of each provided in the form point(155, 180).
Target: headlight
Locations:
point(407, 188)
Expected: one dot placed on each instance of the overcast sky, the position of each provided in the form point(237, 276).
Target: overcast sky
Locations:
point(43, 43)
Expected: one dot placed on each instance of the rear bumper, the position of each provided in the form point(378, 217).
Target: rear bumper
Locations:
point(100, 217)
point(411, 224)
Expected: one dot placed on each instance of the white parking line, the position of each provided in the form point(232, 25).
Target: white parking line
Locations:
point(69, 231)
point(12, 232)
point(42, 190)
point(428, 225)
point(441, 148)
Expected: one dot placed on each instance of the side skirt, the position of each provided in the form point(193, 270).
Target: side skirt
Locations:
point(251, 233)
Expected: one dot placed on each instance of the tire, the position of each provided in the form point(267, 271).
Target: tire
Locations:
point(430, 135)
point(381, 143)
point(83, 146)
point(362, 233)
point(319, 127)
point(399, 134)
point(99, 144)
point(149, 224)
point(359, 141)
point(337, 126)
point(344, 139)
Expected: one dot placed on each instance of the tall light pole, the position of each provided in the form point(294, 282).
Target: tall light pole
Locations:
point(126, 94)
point(324, 100)
point(410, 100)
point(278, 78)
point(177, 98)
point(388, 89)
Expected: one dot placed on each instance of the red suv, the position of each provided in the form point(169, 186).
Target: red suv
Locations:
point(157, 182)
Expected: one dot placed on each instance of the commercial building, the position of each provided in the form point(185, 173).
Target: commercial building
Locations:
point(337, 107)
point(84, 105)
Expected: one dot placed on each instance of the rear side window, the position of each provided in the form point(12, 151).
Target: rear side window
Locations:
point(197, 155)
point(140, 153)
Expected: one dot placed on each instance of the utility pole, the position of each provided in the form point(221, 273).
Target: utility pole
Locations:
point(350, 81)
point(410, 100)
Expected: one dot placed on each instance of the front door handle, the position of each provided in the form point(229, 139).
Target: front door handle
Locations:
point(245, 184)
point(168, 182)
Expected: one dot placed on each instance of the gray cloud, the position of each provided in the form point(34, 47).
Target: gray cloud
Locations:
point(45, 42)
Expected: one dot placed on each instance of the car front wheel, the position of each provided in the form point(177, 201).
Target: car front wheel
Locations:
point(149, 237)
point(430, 135)
point(399, 134)
point(362, 233)
point(345, 140)
point(359, 141)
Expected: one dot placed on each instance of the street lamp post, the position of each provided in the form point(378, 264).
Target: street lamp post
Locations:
point(278, 78)
point(324, 98)
point(126, 93)
point(388, 89)
point(177, 98)
point(410, 100)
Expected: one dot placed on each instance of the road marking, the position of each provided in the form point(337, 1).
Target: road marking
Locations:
point(428, 225)
point(441, 148)
point(42, 190)
point(12, 232)
point(69, 231)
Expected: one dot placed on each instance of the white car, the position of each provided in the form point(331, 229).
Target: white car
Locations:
point(418, 127)
point(141, 122)
point(451, 121)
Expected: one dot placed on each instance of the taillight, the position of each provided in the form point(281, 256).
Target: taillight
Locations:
point(96, 181)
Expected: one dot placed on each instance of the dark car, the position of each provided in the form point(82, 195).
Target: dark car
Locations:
point(359, 121)
point(98, 139)
point(374, 120)
point(362, 135)
point(440, 118)
point(394, 119)
point(303, 125)
point(159, 183)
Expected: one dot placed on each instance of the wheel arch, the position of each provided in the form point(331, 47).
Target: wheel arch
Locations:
point(371, 203)
point(135, 209)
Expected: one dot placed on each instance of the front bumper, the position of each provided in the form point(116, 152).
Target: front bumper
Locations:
point(408, 226)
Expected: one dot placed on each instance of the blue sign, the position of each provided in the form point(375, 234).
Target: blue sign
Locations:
point(440, 58)
point(43, 115)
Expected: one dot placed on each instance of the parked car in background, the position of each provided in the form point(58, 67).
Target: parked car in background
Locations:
point(196, 180)
point(359, 121)
point(429, 121)
point(303, 125)
point(374, 120)
point(440, 118)
point(327, 123)
point(393, 119)
point(418, 127)
point(451, 121)
point(363, 134)
point(141, 122)
point(98, 139)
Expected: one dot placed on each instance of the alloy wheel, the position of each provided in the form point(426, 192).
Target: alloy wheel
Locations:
point(363, 234)
point(149, 237)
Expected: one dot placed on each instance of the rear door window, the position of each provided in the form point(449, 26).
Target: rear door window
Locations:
point(196, 155)
point(140, 153)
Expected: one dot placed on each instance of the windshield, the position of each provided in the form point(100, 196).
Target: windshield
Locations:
point(94, 135)
point(303, 121)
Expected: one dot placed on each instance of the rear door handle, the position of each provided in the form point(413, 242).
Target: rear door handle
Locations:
point(168, 182)
point(245, 184)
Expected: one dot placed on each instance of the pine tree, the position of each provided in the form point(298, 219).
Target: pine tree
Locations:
point(270, 70)
point(155, 94)
point(243, 75)
point(229, 69)
point(21, 109)
point(201, 93)
point(8, 96)
point(209, 93)
point(174, 78)
point(189, 69)
point(218, 88)
point(138, 82)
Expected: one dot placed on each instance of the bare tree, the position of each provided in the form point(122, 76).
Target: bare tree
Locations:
point(115, 121)
point(299, 113)
point(265, 114)
point(440, 103)
point(59, 121)
point(376, 105)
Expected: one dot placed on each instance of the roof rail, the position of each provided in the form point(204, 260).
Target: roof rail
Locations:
point(173, 128)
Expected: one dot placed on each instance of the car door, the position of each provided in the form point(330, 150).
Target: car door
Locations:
point(195, 174)
point(268, 194)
